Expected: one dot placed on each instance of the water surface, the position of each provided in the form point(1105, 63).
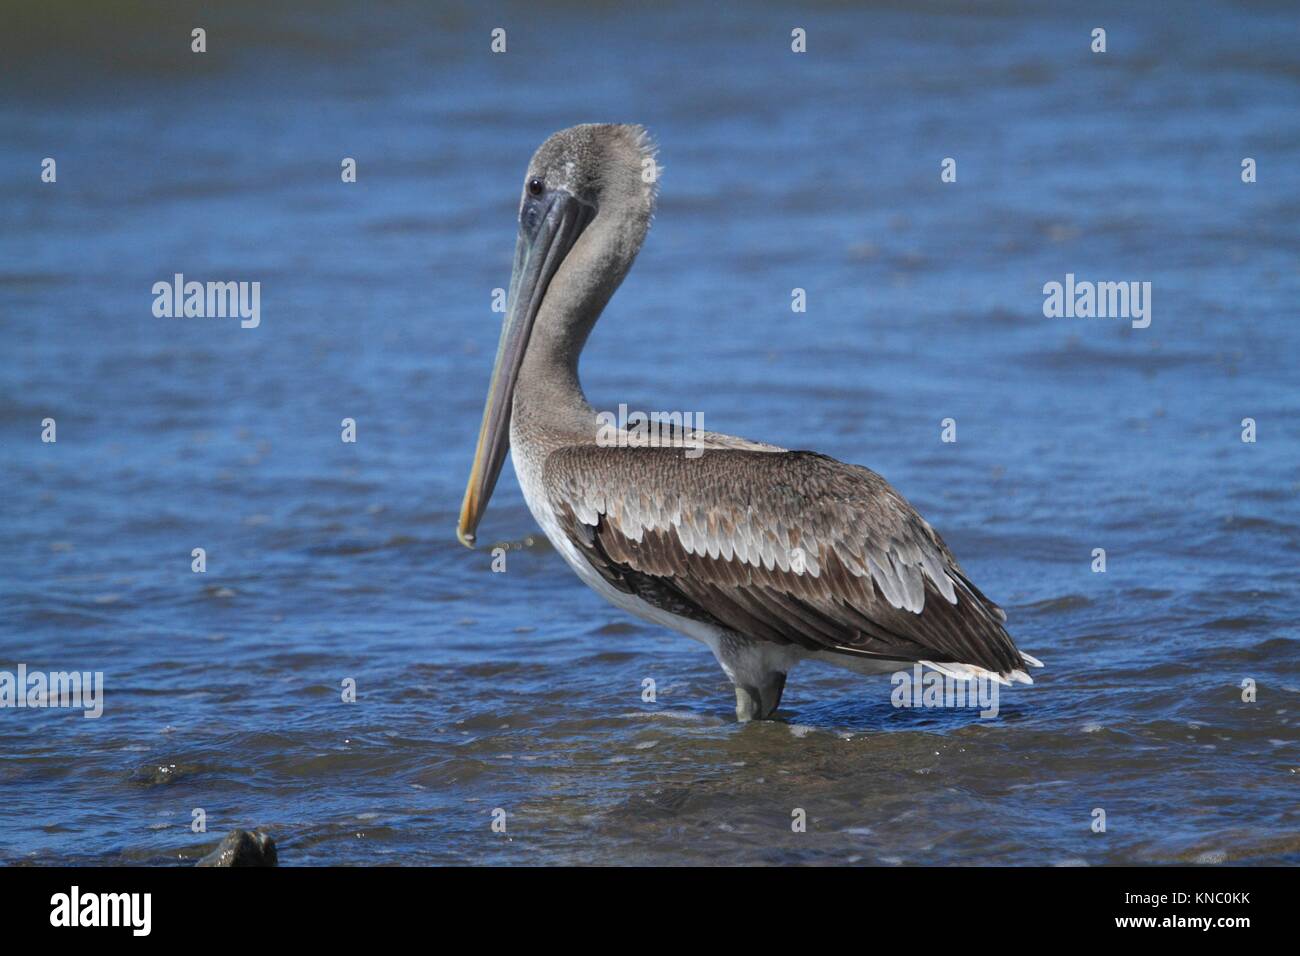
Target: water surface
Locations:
point(522, 690)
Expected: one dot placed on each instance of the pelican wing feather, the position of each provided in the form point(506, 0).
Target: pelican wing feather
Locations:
point(784, 546)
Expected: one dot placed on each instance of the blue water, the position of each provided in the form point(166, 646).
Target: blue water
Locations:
point(522, 691)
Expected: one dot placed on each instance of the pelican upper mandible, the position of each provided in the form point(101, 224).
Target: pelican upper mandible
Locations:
point(768, 556)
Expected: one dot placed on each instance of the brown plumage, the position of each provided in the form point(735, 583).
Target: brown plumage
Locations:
point(715, 537)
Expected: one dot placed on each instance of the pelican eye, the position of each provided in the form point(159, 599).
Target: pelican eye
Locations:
point(535, 186)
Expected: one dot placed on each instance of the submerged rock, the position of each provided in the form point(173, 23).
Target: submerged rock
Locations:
point(160, 774)
point(243, 848)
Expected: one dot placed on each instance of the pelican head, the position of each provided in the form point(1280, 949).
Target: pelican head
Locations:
point(586, 203)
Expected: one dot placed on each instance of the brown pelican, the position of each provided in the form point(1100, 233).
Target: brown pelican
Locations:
point(768, 556)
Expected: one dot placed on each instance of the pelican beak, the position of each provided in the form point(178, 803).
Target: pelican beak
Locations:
point(549, 225)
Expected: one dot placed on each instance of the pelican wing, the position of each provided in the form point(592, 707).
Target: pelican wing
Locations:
point(790, 546)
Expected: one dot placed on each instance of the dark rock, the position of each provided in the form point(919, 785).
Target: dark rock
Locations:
point(243, 848)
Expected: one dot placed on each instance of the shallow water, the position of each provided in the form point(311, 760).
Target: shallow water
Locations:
point(522, 690)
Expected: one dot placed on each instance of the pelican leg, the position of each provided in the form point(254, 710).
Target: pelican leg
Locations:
point(757, 669)
point(759, 703)
point(747, 703)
